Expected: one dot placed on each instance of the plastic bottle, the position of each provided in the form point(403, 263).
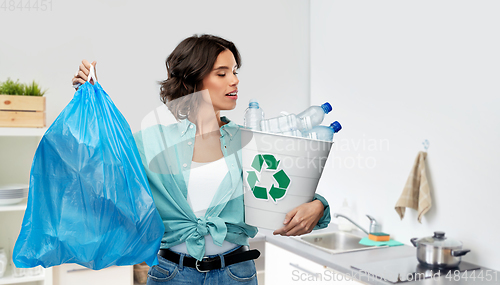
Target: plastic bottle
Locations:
point(295, 133)
point(253, 115)
point(323, 133)
point(304, 121)
point(344, 224)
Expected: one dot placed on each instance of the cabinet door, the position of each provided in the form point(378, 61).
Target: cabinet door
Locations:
point(75, 274)
point(285, 267)
point(341, 278)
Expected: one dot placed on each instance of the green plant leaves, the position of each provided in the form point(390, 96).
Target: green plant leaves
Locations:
point(33, 89)
point(10, 87)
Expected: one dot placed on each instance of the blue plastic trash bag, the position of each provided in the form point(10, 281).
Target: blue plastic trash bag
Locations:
point(89, 201)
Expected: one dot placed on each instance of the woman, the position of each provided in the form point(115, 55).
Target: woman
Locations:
point(194, 171)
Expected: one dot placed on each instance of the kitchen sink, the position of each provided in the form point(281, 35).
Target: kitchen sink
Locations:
point(335, 242)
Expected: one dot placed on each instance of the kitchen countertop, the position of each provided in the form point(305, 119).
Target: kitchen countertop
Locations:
point(342, 262)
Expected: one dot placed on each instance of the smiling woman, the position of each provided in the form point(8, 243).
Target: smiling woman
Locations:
point(194, 171)
point(201, 63)
point(220, 87)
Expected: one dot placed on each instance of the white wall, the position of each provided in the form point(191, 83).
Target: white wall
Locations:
point(395, 72)
point(130, 41)
point(400, 72)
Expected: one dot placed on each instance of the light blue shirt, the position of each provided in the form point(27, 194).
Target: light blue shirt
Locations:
point(166, 153)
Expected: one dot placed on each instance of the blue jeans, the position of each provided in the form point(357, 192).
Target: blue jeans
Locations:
point(172, 273)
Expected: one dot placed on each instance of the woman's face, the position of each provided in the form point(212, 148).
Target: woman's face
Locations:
point(221, 82)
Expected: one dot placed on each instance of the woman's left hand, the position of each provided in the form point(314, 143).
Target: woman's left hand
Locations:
point(302, 219)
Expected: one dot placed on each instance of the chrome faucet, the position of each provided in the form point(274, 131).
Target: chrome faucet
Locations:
point(374, 227)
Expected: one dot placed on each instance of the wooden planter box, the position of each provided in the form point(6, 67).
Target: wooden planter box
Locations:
point(22, 111)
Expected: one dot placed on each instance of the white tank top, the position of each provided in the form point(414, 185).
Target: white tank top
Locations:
point(204, 180)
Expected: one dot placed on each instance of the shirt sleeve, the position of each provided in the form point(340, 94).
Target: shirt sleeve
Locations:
point(325, 219)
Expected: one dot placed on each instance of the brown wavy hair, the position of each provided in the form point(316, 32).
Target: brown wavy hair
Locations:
point(190, 62)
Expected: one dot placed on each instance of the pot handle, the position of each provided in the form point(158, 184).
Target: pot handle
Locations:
point(414, 241)
point(459, 252)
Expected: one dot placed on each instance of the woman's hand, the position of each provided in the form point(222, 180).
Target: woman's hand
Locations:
point(302, 219)
point(83, 72)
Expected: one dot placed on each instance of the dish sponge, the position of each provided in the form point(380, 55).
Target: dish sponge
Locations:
point(379, 236)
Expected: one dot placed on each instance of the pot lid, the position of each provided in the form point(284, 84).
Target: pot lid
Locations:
point(440, 240)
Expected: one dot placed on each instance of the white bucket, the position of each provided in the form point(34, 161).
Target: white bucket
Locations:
point(288, 170)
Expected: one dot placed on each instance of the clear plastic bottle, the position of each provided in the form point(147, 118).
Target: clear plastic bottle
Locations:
point(304, 121)
point(295, 133)
point(323, 133)
point(253, 115)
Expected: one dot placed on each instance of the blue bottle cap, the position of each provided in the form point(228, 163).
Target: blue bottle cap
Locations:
point(336, 126)
point(253, 103)
point(326, 107)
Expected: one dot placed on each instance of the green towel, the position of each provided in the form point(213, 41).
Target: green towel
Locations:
point(369, 242)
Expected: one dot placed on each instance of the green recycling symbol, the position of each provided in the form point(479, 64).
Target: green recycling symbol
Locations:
point(276, 192)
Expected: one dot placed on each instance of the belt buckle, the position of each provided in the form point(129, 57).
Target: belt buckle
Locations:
point(196, 265)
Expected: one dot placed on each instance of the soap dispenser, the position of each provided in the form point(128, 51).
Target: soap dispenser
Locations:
point(344, 224)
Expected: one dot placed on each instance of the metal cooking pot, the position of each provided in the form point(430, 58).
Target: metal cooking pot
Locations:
point(439, 251)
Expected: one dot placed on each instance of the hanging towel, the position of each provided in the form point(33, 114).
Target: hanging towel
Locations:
point(416, 194)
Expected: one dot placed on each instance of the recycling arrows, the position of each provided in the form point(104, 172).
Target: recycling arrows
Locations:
point(283, 181)
point(271, 161)
point(276, 192)
point(252, 179)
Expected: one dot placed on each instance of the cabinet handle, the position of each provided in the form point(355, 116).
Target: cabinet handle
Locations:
point(77, 270)
point(303, 269)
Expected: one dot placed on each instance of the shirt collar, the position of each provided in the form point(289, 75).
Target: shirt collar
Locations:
point(184, 126)
point(229, 128)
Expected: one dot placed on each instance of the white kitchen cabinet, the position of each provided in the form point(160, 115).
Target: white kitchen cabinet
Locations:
point(259, 243)
point(285, 267)
point(75, 274)
point(10, 225)
point(17, 147)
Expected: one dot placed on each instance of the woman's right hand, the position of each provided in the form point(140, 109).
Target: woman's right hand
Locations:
point(83, 72)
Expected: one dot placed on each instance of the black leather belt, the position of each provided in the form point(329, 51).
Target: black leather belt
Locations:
point(239, 255)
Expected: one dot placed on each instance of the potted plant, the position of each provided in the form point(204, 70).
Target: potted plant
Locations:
point(21, 105)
